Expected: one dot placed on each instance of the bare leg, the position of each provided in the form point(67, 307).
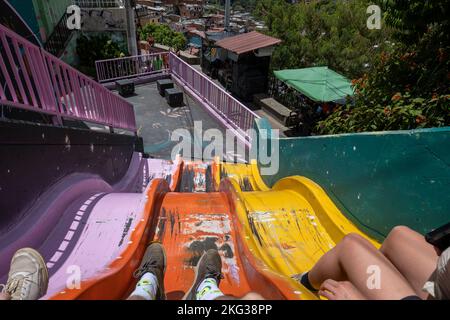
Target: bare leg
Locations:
point(350, 261)
point(412, 256)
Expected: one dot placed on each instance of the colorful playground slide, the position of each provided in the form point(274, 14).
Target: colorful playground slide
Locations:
point(265, 236)
point(120, 226)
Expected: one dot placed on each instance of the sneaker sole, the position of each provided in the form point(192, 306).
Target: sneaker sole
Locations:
point(195, 278)
point(37, 256)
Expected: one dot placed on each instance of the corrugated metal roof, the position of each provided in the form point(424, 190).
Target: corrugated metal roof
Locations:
point(247, 42)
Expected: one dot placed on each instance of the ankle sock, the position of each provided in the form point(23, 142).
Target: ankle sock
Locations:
point(304, 280)
point(208, 290)
point(146, 287)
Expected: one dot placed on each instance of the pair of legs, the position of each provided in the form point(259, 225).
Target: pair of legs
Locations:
point(28, 277)
point(208, 274)
point(401, 267)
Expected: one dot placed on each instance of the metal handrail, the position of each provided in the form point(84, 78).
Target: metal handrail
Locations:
point(35, 80)
point(110, 70)
point(223, 103)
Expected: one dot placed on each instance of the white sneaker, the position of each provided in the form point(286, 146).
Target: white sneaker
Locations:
point(28, 276)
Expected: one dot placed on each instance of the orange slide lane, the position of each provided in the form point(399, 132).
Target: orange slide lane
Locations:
point(190, 224)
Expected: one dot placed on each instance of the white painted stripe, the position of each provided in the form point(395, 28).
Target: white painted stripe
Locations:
point(74, 225)
point(56, 256)
point(63, 246)
point(69, 235)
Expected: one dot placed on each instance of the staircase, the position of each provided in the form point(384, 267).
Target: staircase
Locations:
point(58, 40)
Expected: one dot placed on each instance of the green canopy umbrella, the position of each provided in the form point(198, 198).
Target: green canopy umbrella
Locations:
point(319, 83)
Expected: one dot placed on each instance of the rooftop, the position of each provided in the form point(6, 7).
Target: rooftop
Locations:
point(247, 42)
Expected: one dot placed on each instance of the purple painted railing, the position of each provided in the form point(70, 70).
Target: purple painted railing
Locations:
point(33, 79)
point(232, 111)
point(131, 67)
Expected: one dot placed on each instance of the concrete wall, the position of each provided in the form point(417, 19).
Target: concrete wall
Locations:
point(103, 20)
point(379, 180)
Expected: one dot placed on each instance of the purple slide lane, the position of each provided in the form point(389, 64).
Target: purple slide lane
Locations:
point(57, 225)
point(104, 235)
point(99, 232)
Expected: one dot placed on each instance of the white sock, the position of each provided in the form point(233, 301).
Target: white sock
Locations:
point(146, 287)
point(208, 290)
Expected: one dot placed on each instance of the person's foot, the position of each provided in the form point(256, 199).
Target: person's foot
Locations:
point(28, 276)
point(209, 267)
point(154, 262)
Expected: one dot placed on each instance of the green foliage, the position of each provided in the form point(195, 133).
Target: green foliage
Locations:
point(94, 48)
point(331, 33)
point(162, 34)
point(405, 113)
point(412, 18)
point(408, 87)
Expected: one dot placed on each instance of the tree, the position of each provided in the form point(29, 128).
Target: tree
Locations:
point(412, 18)
point(164, 35)
point(94, 48)
point(408, 87)
point(331, 33)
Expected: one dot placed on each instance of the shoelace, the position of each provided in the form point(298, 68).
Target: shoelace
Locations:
point(20, 282)
point(144, 269)
point(215, 275)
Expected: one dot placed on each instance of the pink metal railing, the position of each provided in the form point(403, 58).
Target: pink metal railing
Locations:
point(131, 67)
point(33, 79)
point(231, 110)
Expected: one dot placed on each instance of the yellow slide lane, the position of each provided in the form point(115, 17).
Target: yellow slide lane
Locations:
point(246, 175)
point(292, 225)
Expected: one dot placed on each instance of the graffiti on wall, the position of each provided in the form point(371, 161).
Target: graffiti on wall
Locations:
point(96, 20)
